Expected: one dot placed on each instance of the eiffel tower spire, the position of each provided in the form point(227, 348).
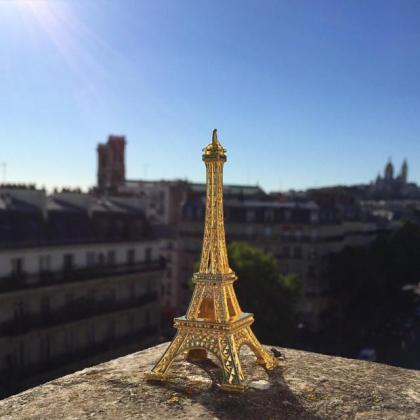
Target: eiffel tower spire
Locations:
point(214, 321)
point(214, 255)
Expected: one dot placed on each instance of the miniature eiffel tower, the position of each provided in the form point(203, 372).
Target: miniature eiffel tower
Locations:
point(214, 321)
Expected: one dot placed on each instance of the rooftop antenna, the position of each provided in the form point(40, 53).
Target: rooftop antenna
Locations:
point(3, 172)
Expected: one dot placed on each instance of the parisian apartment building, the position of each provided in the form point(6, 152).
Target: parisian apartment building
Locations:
point(80, 281)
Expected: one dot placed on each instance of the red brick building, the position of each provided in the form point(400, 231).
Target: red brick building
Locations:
point(111, 163)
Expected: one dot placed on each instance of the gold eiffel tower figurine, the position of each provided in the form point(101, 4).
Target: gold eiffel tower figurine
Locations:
point(214, 321)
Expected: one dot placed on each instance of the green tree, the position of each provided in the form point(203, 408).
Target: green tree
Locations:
point(367, 289)
point(264, 291)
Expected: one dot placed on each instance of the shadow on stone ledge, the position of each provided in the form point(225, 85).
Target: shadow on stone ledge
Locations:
point(307, 386)
point(268, 395)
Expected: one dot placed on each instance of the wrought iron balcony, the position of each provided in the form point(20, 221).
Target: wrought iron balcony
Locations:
point(77, 310)
point(48, 278)
point(11, 376)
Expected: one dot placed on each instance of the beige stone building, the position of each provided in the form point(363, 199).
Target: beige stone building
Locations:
point(79, 283)
point(300, 234)
point(162, 202)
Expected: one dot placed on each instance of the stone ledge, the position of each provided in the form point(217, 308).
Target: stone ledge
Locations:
point(307, 386)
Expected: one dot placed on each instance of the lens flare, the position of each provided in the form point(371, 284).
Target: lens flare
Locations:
point(77, 45)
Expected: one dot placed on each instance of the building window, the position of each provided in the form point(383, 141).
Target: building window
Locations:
point(269, 215)
point(147, 319)
point(297, 252)
point(44, 263)
point(68, 262)
point(267, 231)
point(91, 336)
point(288, 215)
point(90, 258)
point(69, 341)
point(311, 271)
point(189, 213)
point(21, 355)
point(110, 257)
point(313, 253)
point(91, 296)
point(111, 329)
point(19, 309)
point(45, 349)
point(69, 299)
point(45, 305)
point(149, 286)
point(130, 323)
point(250, 216)
point(17, 267)
point(148, 255)
point(286, 252)
point(111, 295)
point(131, 256)
point(101, 259)
point(314, 217)
point(132, 290)
point(250, 230)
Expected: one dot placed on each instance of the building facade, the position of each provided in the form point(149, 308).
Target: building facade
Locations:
point(79, 283)
point(302, 235)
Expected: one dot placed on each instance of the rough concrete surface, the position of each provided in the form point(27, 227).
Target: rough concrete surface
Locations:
point(306, 386)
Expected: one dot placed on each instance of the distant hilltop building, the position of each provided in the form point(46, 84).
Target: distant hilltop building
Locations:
point(391, 186)
point(388, 179)
point(111, 164)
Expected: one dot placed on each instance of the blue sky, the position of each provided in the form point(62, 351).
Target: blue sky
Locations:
point(303, 93)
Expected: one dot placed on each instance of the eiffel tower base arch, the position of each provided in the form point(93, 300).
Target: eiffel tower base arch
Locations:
point(223, 341)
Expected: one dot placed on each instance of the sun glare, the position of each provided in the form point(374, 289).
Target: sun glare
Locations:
point(35, 6)
point(55, 27)
point(31, 4)
point(58, 22)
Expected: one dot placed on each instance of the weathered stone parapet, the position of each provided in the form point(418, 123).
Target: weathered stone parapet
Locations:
point(308, 386)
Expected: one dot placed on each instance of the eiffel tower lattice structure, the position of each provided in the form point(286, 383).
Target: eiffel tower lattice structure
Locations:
point(214, 321)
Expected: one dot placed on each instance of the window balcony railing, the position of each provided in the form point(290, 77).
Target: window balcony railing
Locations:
point(77, 310)
point(11, 376)
point(48, 278)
